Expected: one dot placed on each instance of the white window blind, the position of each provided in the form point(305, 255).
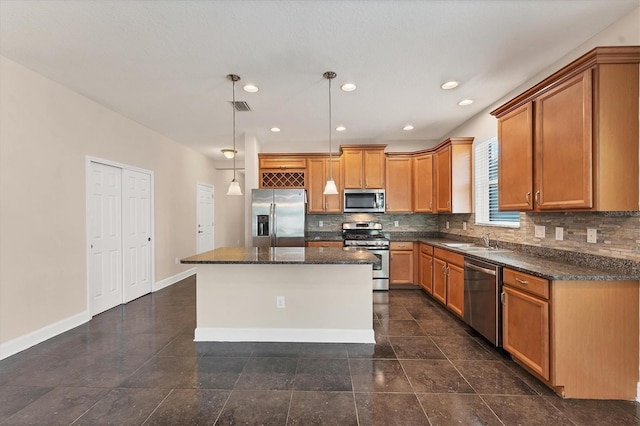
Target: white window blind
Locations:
point(486, 187)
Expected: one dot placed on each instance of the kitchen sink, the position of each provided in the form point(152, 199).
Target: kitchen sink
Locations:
point(459, 245)
point(481, 249)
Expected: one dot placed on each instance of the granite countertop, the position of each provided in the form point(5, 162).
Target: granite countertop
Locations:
point(282, 255)
point(535, 265)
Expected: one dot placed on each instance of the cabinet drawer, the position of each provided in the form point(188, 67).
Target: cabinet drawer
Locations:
point(426, 249)
point(449, 257)
point(283, 163)
point(401, 245)
point(324, 244)
point(534, 285)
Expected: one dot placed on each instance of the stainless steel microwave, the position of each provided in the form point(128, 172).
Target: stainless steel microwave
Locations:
point(364, 201)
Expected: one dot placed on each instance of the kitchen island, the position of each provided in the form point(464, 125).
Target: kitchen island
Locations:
point(284, 294)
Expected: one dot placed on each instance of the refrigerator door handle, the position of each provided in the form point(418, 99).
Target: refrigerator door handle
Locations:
point(272, 220)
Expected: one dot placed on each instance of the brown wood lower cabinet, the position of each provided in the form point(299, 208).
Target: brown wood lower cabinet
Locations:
point(324, 244)
point(581, 338)
point(448, 279)
point(401, 263)
point(426, 268)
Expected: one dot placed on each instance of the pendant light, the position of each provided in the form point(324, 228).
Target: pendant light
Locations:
point(234, 186)
point(330, 187)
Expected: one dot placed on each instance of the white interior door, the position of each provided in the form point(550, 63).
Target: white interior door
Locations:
point(136, 233)
point(205, 223)
point(105, 227)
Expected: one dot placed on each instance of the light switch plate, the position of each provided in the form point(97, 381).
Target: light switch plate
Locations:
point(447, 225)
point(539, 231)
point(559, 233)
point(592, 235)
point(320, 223)
point(396, 223)
point(464, 226)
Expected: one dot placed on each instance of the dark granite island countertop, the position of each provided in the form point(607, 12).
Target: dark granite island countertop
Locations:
point(283, 255)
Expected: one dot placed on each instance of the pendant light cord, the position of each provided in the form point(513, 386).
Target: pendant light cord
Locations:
point(233, 105)
point(330, 148)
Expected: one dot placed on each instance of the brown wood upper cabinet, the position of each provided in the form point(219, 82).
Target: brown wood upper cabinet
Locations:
point(363, 166)
point(423, 183)
point(571, 141)
point(453, 175)
point(282, 170)
point(318, 173)
point(399, 183)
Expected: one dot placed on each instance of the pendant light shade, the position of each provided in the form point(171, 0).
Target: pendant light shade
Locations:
point(234, 186)
point(330, 188)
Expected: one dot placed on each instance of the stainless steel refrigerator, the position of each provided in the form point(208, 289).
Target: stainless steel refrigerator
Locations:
point(277, 217)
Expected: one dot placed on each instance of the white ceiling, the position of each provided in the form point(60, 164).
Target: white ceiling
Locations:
point(163, 63)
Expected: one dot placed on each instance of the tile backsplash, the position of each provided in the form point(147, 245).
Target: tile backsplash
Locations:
point(618, 233)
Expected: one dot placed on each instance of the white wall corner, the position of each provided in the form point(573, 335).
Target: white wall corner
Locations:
point(21, 343)
point(173, 279)
point(638, 392)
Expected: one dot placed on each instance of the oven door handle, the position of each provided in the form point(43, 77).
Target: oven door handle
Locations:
point(479, 268)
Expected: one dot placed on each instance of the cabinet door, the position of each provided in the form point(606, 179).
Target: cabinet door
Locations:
point(315, 185)
point(455, 289)
point(515, 164)
point(401, 267)
point(374, 168)
point(440, 280)
point(352, 167)
point(443, 180)
point(423, 184)
point(399, 185)
point(525, 329)
point(563, 146)
point(333, 203)
point(426, 272)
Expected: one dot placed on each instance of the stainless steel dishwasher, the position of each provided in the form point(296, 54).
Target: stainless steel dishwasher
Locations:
point(482, 309)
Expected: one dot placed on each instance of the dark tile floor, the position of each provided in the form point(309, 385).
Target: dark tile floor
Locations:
point(137, 364)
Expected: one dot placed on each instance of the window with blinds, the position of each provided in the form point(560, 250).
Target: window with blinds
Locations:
point(486, 187)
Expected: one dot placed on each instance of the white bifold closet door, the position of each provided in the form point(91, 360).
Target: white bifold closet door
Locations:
point(120, 236)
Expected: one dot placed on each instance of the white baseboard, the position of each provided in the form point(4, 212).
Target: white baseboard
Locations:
point(21, 343)
point(173, 279)
point(210, 334)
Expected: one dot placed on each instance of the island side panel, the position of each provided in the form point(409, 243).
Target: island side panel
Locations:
point(323, 303)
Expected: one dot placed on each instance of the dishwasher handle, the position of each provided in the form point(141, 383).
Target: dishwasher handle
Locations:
point(479, 268)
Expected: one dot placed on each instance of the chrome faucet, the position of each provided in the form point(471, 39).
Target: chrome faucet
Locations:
point(485, 239)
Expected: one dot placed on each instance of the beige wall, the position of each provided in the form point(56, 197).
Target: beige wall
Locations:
point(46, 133)
point(229, 211)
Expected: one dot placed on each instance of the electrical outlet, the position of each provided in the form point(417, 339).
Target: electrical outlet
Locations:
point(592, 235)
point(280, 302)
point(559, 233)
point(447, 224)
point(320, 223)
point(464, 226)
point(177, 261)
point(539, 231)
point(396, 223)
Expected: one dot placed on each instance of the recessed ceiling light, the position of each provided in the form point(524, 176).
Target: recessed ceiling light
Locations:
point(348, 87)
point(465, 102)
point(250, 88)
point(340, 129)
point(449, 85)
point(408, 127)
point(275, 129)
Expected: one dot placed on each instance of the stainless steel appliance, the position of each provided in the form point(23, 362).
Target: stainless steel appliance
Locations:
point(364, 201)
point(368, 236)
point(482, 308)
point(277, 217)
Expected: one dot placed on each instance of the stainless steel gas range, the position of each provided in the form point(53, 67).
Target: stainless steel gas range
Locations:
point(368, 236)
